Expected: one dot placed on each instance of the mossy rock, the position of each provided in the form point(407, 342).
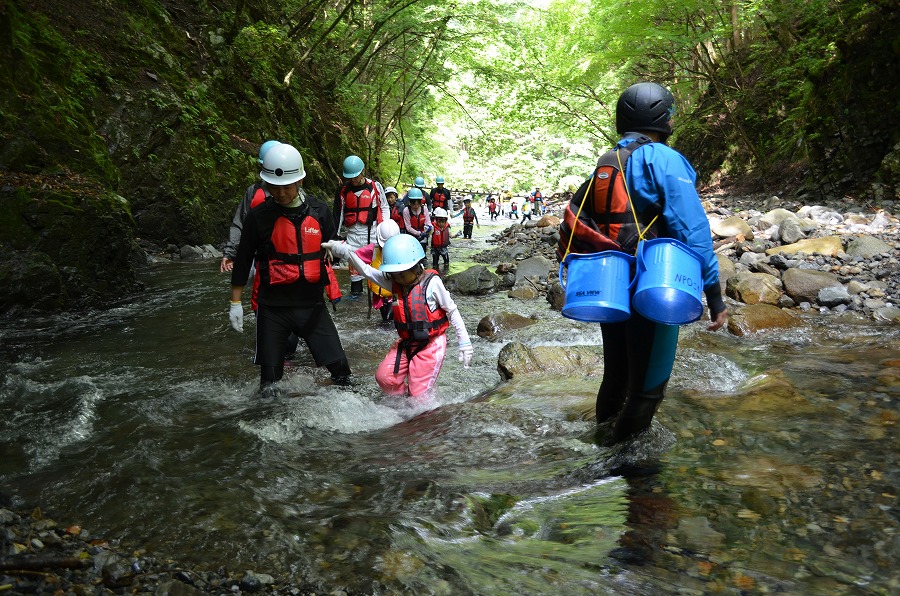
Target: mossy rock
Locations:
point(72, 243)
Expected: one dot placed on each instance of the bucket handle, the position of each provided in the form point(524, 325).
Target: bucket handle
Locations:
point(565, 265)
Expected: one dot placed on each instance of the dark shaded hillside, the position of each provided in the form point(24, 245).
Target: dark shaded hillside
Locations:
point(148, 101)
point(812, 108)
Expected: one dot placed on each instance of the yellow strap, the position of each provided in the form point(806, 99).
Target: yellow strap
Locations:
point(637, 224)
point(575, 225)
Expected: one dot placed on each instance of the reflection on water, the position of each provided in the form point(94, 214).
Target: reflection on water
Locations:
point(771, 466)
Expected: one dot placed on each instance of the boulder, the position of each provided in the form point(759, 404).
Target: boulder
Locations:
point(516, 359)
point(731, 226)
point(832, 296)
point(548, 220)
point(474, 280)
point(791, 230)
point(867, 247)
point(776, 216)
point(803, 285)
point(759, 317)
point(525, 291)
point(827, 245)
point(536, 267)
point(496, 323)
point(754, 288)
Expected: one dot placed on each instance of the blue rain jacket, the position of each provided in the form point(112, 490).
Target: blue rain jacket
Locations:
point(656, 173)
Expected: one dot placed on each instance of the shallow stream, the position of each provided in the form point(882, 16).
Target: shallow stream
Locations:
point(771, 467)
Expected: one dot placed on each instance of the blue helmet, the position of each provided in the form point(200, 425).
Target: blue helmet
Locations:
point(400, 253)
point(420, 182)
point(353, 166)
point(439, 180)
point(264, 148)
point(414, 193)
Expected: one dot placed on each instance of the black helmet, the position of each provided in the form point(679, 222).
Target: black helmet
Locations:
point(645, 106)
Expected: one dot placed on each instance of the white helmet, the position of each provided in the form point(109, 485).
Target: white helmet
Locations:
point(439, 212)
point(282, 165)
point(391, 189)
point(385, 230)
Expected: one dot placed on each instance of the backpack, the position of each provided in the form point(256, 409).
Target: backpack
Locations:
point(601, 212)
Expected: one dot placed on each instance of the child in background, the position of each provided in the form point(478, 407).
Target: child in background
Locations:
point(440, 238)
point(469, 217)
point(371, 254)
point(423, 310)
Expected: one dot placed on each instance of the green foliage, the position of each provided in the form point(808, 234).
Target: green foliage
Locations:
point(46, 102)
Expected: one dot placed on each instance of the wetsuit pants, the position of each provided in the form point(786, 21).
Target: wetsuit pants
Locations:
point(418, 375)
point(313, 324)
point(467, 230)
point(638, 355)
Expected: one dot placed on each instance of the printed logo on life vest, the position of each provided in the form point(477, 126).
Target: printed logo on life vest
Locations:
point(603, 175)
point(312, 231)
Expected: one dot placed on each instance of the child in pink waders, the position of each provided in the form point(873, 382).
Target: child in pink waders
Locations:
point(423, 310)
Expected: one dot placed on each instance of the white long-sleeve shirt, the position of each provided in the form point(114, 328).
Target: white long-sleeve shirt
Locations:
point(436, 296)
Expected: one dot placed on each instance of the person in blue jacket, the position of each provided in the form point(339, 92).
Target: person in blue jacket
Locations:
point(638, 354)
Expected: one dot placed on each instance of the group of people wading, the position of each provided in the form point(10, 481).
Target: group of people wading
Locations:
point(289, 239)
point(293, 239)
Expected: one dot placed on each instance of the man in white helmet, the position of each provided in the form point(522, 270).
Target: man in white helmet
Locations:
point(359, 205)
point(285, 235)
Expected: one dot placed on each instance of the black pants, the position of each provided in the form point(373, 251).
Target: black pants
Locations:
point(638, 355)
point(312, 323)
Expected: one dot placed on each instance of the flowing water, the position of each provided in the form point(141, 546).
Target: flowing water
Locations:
point(771, 466)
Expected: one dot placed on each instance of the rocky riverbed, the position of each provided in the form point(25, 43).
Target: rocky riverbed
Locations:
point(759, 240)
point(777, 260)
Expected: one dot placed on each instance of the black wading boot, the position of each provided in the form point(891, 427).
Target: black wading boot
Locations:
point(340, 373)
point(635, 417)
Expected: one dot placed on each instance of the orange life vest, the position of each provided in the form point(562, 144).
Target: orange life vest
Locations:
point(416, 222)
point(397, 216)
point(468, 214)
point(295, 251)
point(259, 197)
point(360, 205)
point(440, 199)
point(605, 216)
point(440, 237)
point(413, 318)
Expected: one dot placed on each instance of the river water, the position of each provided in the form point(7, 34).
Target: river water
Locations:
point(771, 466)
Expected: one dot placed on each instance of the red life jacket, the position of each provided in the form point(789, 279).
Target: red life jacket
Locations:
point(397, 216)
point(605, 217)
point(412, 317)
point(416, 222)
point(332, 288)
point(259, 197)
point(440, 199)
point(512, 206)
point(294, 252)
point(468, 214)
point(440, 237)
point(360, 205)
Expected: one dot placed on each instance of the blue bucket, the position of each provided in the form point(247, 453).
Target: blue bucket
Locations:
point(597, 286)
point(669, 282)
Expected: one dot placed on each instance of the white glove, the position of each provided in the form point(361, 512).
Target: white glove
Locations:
point(465, 354)
point(236, 316)
point(337, 248)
